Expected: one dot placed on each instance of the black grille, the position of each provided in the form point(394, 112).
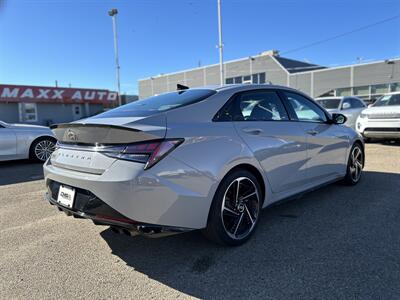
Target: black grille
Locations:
point(383, 129)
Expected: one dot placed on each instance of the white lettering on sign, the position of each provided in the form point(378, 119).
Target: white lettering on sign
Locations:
point(77, 95)
point(57, 94)
point(101, 95)
point(89, 95)
point(43, 94)
point(10, 93)
point(27, 94)
point(112, 96)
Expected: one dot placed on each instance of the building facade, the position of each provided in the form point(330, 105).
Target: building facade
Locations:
point(365, 80)
point(49, 105)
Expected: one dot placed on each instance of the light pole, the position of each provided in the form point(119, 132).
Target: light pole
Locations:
point(113, 13)
point(220, 45)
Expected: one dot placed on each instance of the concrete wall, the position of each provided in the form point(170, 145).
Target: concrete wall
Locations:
point(314, 83)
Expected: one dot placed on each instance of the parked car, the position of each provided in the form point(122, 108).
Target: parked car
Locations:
point(381, 120)
point(20, 141)
point(205, 158)
point(351, 107)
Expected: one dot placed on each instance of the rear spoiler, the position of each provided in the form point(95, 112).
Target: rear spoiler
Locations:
point(99, 134)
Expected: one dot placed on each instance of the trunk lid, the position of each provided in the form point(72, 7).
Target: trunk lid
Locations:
point(81, 142)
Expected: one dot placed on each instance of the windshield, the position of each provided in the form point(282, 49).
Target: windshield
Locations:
point(388, 100)
point(160, 103)
point(329, 103)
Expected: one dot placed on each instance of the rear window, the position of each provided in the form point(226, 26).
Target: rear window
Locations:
point(157, 104)
point(329, 103)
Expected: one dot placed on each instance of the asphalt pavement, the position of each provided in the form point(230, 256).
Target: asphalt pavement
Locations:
point(338, 242)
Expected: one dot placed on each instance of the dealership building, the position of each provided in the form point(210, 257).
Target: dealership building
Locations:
point(43, 105)
point(365, 80)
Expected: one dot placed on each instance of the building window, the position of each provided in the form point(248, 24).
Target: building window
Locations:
point(379, 89)
point(343, 92)
point(395, 87)
point(28, 112)
point(253, 78)
point(361, 90)
point(238, 79)
point(261, 78)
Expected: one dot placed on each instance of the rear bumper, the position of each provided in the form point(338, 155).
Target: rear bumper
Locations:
point(382, 134)
point(169, 195)
point(101, 214)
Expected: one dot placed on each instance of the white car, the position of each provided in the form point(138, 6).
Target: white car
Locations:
point(349, 106)
point(20, 141)
point(382, 119)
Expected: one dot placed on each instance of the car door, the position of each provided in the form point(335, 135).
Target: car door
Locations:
point(262, 121)
point(8, 142)
point(326, 142)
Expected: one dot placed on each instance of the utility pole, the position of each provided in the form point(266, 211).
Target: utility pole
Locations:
point(220, 46)
point(113, 13)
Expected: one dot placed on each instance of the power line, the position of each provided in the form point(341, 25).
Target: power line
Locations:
point(340, 35)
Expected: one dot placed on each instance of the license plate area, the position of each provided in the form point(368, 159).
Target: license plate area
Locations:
point(66, 196)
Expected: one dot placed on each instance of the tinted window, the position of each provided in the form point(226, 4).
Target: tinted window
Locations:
point(305, 109)
point(254, 106)
point(329, 103)
point(355, 103)
point(388, 100)
point(158, 104)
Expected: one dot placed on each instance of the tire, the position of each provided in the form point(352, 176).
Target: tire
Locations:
point(232, 220)
point(355, 165)
point(41, 149)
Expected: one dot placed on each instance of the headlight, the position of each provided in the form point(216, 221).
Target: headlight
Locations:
point(363, 115)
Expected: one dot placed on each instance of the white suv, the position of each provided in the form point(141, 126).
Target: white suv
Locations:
point(382, 119)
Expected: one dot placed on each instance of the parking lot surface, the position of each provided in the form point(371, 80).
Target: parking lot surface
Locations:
point(335, 243)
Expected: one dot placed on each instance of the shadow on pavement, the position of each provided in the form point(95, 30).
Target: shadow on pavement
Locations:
point(12, 172)
point(337, 242)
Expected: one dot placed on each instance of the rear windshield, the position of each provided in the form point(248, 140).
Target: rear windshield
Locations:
point(329, 103)
point(388, 100)
point(156, 104)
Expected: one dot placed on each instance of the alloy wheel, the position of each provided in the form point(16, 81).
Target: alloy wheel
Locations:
point(44, 149)
point(240, 208)
point(356, 164)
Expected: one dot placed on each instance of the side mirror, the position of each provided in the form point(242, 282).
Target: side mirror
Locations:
point(338, 119)
point(346, 105)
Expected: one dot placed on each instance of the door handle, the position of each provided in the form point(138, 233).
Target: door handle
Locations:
point(254, 131)
point(312, 132)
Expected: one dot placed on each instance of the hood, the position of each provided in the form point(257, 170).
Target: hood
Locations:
point(28, 126)
point(382, 109)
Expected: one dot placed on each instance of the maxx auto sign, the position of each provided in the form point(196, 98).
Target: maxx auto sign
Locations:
point(20, 93)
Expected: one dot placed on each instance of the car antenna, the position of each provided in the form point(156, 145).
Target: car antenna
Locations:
point(181, 87)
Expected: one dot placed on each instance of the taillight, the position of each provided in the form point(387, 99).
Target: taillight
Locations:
point(148, 153)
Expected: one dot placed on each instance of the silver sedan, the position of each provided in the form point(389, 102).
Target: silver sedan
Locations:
point(207, 158)
point(20, 141)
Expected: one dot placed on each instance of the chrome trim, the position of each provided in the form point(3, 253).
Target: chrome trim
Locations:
point(117, 148)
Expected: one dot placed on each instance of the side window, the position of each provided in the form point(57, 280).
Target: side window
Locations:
point(254, 106)
point(305, 109)
point(261, 106)
point(355, 103)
